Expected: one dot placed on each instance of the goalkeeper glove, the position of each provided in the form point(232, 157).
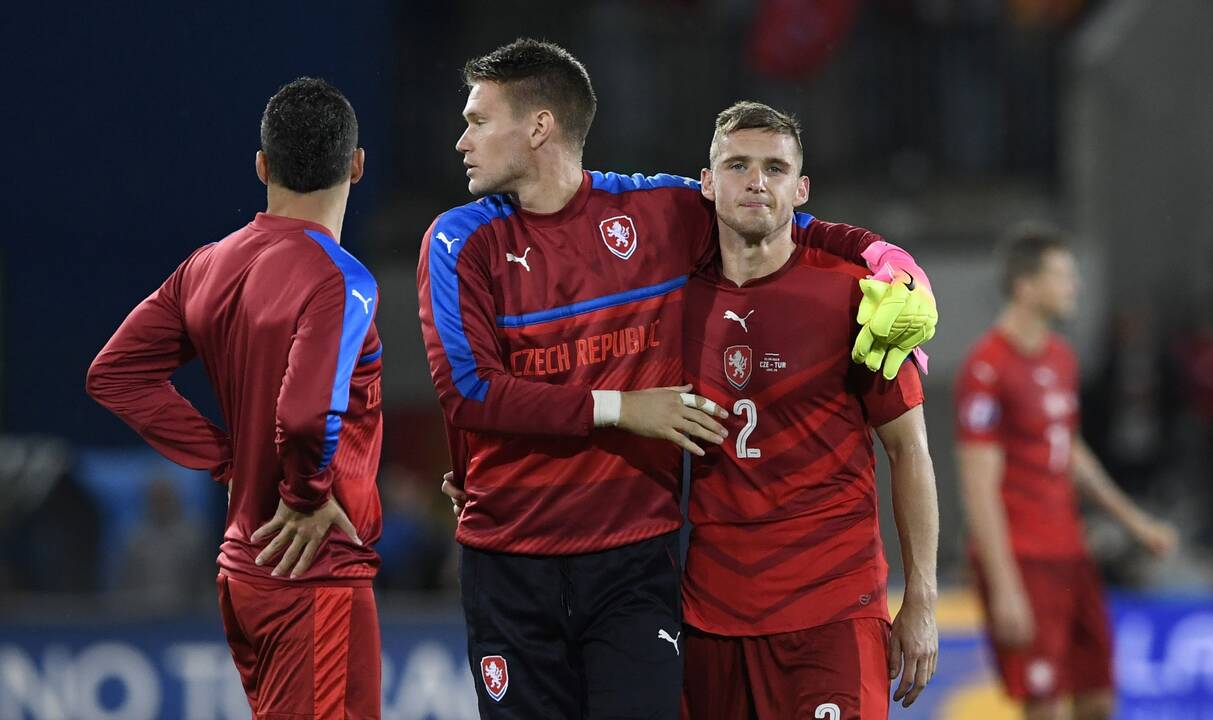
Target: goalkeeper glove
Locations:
point(897, 311)
point(896, 319)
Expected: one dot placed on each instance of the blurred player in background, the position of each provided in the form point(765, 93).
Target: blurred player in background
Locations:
point(552, 312)
point(1021, 458)
point(282, 319)
point(785, 589)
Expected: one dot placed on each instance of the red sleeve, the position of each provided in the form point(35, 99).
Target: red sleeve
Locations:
point(886, 400)
point(131, 378)
point(839, 239)
point(978, 405)
point(458, 323)
point(302, 410)
point(700, 223)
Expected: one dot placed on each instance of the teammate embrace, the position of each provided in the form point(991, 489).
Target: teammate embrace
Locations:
point(567, 483)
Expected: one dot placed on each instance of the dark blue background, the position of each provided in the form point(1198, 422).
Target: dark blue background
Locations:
point(129, 136)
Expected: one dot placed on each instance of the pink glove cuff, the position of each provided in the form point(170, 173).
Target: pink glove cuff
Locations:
point(885, 259)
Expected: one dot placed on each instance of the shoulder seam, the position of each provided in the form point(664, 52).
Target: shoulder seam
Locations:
point(470, 218)
point(332, 262)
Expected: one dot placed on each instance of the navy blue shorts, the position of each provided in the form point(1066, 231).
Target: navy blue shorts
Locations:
point(576, 636)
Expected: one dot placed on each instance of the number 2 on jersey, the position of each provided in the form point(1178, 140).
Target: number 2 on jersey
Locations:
point(751, 421)
point(828, 711)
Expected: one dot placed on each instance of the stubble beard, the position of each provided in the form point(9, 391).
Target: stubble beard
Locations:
point(504, 183)
point(754, 230)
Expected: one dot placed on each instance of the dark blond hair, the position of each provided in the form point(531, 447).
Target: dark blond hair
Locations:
point(750, 115)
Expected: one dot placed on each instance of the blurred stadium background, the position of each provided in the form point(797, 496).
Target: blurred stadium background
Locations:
point(130, 131)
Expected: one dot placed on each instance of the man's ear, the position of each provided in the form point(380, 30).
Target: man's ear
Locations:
point(707, 184)
point(263, 168)
point(357, 165)
point(802, 190)
point(543, 128)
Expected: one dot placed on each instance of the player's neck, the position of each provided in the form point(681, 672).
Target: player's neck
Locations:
point(743, 259)
point(323, 207)
point(551, 185)
point(1027, 329)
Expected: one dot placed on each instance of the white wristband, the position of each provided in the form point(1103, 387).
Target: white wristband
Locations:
point(607, 404)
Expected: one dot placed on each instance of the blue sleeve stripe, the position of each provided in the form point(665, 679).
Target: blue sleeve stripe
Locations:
point(332, 431)
point(450, 235)
point(360, 297)
point(615, 183)
point(371, 356)
point(588, 306)
point(803, 219)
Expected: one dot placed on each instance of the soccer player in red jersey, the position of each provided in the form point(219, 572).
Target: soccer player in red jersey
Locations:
point(1021, 458)
point(282, 319)
point(552, 311)
point(785, 589)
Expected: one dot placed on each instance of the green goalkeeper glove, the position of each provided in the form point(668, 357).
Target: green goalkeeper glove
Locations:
point(897, 316)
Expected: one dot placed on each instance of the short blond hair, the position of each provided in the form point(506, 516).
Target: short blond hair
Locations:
point(751, 115)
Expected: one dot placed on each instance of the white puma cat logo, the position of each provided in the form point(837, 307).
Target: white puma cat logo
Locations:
point(442, 237)
point(366, 301)
point(511, 257)
point(663, 635)
point(730, 315)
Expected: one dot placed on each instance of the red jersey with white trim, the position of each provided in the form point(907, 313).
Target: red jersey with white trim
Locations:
point(786, 534)
point(523, 315)
point(282, 319)
point(1028, 406)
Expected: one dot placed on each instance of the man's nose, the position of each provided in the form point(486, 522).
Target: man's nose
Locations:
point(756, 182)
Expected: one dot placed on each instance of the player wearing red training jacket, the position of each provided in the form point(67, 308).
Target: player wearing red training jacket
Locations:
point(1021, 459)
point(548, 307)
point(282, 319)
point(785, 590)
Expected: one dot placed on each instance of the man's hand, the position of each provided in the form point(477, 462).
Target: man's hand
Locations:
point(913, 650)
point(301, 534)
point(459, 499)
point(673, 414)
point(1012, 624)
point(1159, 538)
point(897, 316)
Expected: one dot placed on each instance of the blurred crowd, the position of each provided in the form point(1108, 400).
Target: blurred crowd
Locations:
point(158, 553)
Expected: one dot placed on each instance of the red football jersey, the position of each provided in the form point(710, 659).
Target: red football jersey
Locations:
point(282, 318)
point(1029, 406)
point(786, 534)
point(523, 315)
